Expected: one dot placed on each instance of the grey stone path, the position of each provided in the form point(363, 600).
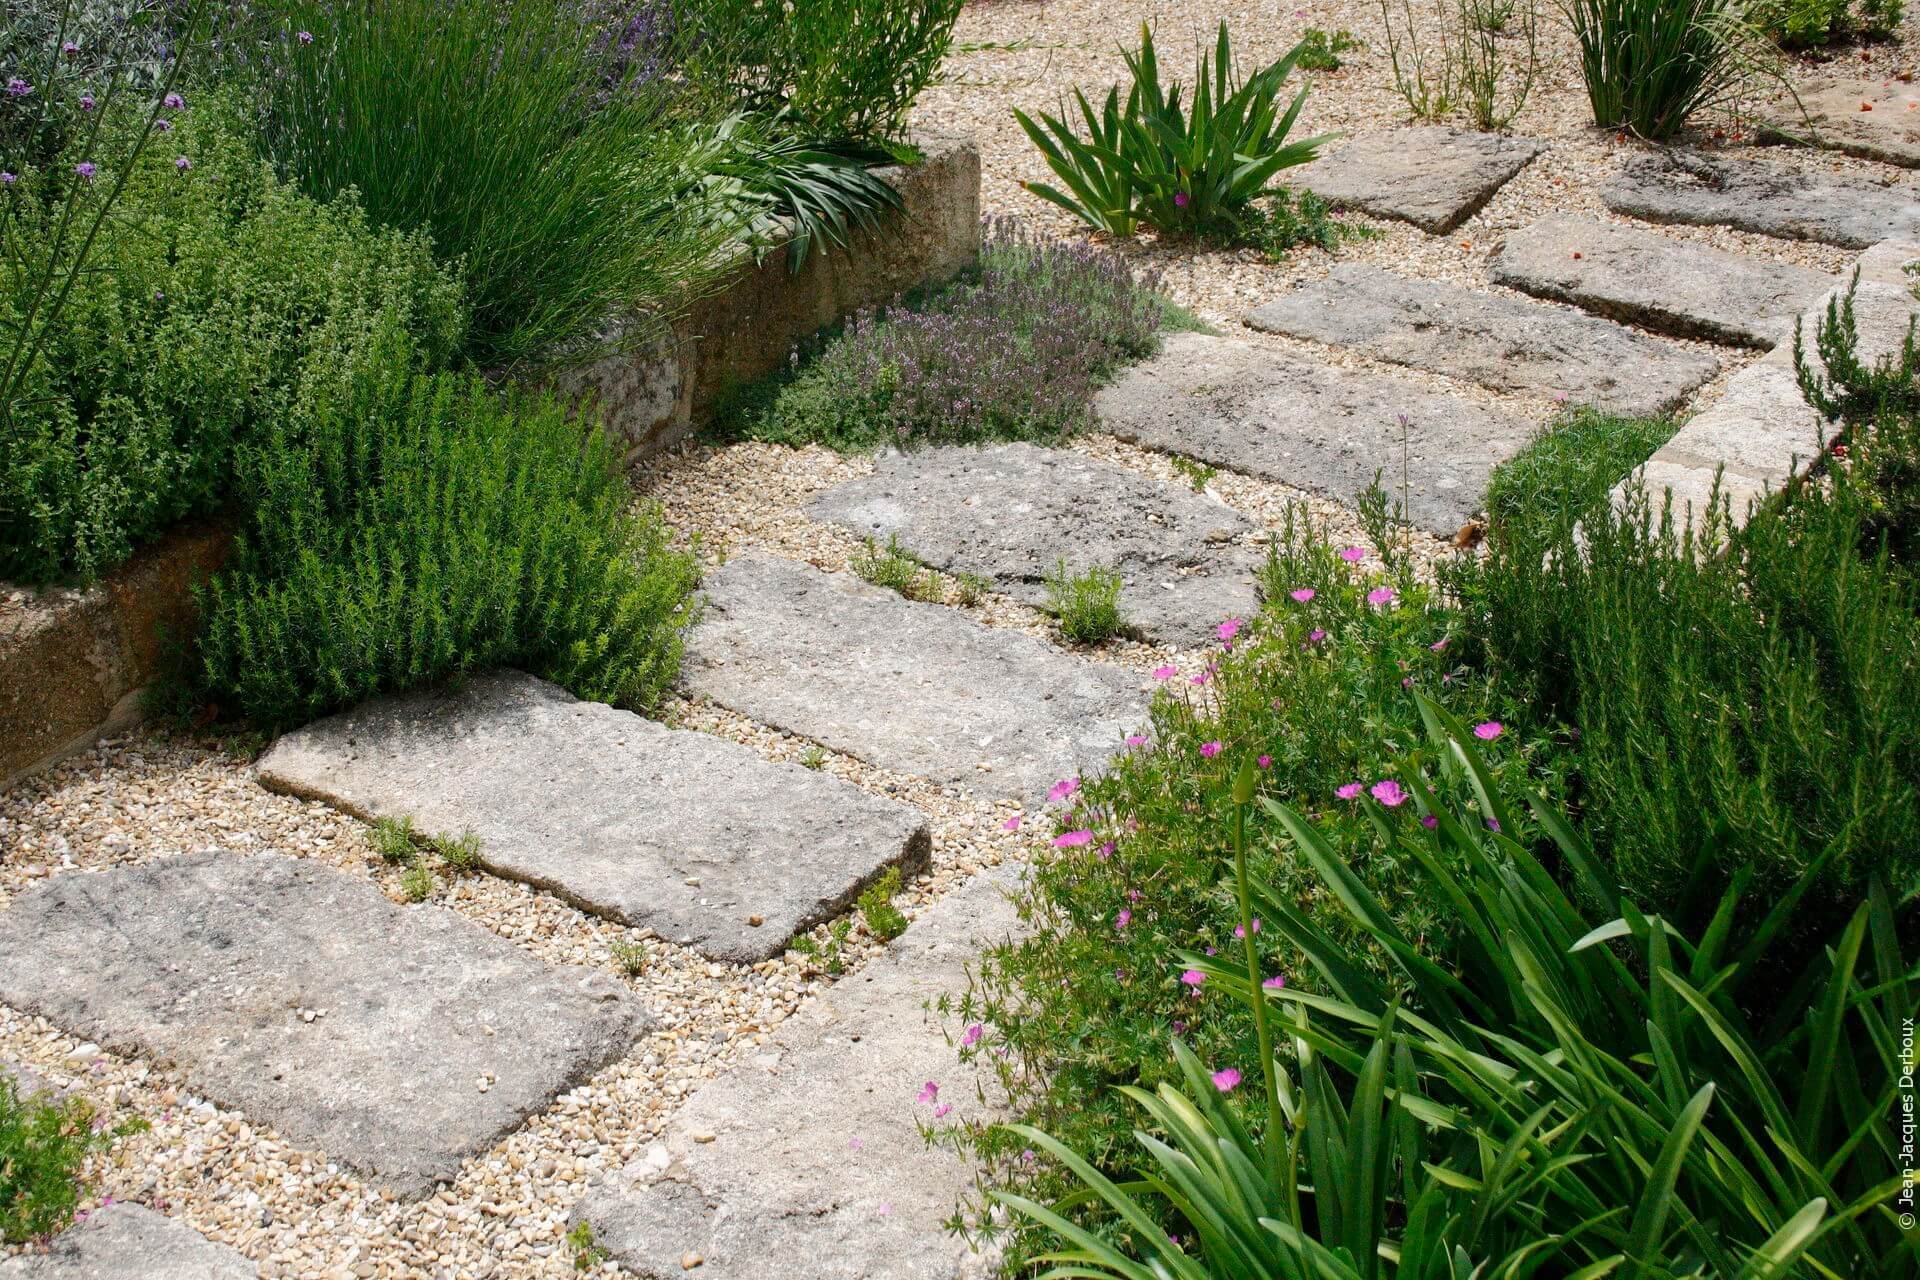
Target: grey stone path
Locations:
point(917, 688)
point(1761, 432)
point(1694, 189)
point(807, 1159)
point(1652, 280)
point(397, 1040)
point(699, 839)
point(1301, 421)
point(1875, 119)
point(1498, 341)
point(1013, 512)
point(130, 1242)
point(1432, 176)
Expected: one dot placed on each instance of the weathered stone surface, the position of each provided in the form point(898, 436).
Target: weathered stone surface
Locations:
point(27, 1083)
point(1496, 340)
point(807, 1157)
point(918, 688)
point(1432, 176)
point(430, 1037)
point(1692, 189)
point(1761, 432)
point(1013, 512)
point(1626, 273)
point(679, 832)
point(1873, 119)
point(1294, 419)
point(130, 1242)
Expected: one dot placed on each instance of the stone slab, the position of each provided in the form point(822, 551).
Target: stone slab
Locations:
point(1287, 417)
point(1694, 189)
point(1761, 433)
point(811, 1150)
point(209, 962)
point(1014, 512)
point(1874, 119)
point(679, 832)
point(1432, 176)
point(1497, 340)
point(916, 688)
point(130, 1242)
point(1648, 279)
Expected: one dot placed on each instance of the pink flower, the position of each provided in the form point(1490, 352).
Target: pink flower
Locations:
point(1388, 793)
point(1072, 839)
point(1136, 739)
point(971, 1036)
point(1209, 749)
point(1438, 645)
point(1264, 761)
point(1226, 1081)
point(1165, 673)
point(1274, 983)
point(1063, 788)
point(1105, 851)
point(928, 1092)
point(1353, 555)
point(1315, 636)
point(1122, 920)
point(1200, 679)
point(1303, 595)
point(1193, 977)
point(1429, 822)
point(1011, 824)
point(1240, 930)
point(1348, 792)
point(1493, 825)
point(940, 1112)
point(1180, 199)
point(854, 1144)
point(1229, 629)
point(1488, 730)
point(1380, 595)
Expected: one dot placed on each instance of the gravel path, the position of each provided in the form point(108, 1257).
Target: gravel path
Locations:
point(153, 795)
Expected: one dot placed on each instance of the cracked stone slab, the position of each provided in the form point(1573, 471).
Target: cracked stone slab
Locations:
point(1287, 417)
point(1648, 279)
point(1871, 118)
point(130, 1242)
point(811, 1149)
point(916, 688)
point(1692, 189)
point(398, 1040)
point(1432, 176)
point(703, 841)
point(1497, 340)
point(1013, 512)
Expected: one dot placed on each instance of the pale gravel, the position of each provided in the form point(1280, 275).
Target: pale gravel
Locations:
point(153, 795)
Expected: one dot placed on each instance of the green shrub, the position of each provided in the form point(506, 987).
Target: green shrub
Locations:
point(1321, 52)
point(424, 528)
point(1805, 24)
point(563, 177)
point(1086, 605)
point(1538, 495)
point(42, 1144)
point(1581, 1094)
point(894, 569)
point(1181, 165)
point(1652, 65)
point(215, 300)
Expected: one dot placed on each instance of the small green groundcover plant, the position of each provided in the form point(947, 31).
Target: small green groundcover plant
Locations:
point(1086, 605)
point(43, 1143)
point(424, 526)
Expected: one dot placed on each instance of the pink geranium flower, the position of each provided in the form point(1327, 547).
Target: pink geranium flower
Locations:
point(1226, 1080)
point(1274, 983)
point(1350, 791)
point(928, 1092)
point(1209, 749)
point(1123, 919)
point(1353, 555)
point(1011, 824)
point(1193, 978)
point(1072, 839)
point(1228, 630)
point(1136, 739)
point(1303, 595)
point(971, 1036)
point(1315, 636)
point(1063, 788)
point(1165, 673)
point(1380, 595)
point(1488, 730)
point(1388, 793)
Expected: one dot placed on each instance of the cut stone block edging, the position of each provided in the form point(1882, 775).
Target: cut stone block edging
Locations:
point(73, 660)
point(1761, 433)
point(430, 1037)
point(1235, 403)
point(916, 688)
point(1432, 176)
point(1694, 189)
point(1648, 279)
point(130, 1242)
point(699, 839)
point(746, 328)
point(1013, 512)
point(1499, 341)
point(1874, 119)
point(810, 1150)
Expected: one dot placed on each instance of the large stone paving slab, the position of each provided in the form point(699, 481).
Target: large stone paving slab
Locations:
point(429, 1037)
point(1496, 340)
point(1875, 119)
point(916, 688)
point(1692, 189)
point(1014, 512)
point(1632, 274)
point(1432, 176)
point(1295, 419)
point(807, 1159)
point(130, 1242)
point(701, 840)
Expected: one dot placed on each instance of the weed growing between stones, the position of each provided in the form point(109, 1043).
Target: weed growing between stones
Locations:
point(42, 1145)
point(630, 955)
point(1197, 474)
point(1320, 51)
point(461, 853)
point(1086, 606)
point(394, 839)
point(882, 918)
point(829, 955)
point(813, 758)
point(894, 569)
point(587, 1253)
point(417, 883)
point(1289, 220)
point(970, 589)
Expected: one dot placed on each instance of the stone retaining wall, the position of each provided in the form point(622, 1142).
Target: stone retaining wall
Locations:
point(73, 661)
